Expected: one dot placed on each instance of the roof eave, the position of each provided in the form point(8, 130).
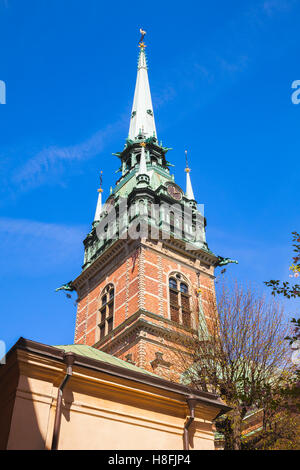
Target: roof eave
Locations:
point(51, 352)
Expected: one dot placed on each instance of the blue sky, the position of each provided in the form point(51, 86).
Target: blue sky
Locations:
point(220, 75)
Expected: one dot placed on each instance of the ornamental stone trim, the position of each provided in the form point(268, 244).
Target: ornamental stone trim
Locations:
point(127, 289)
point(87, 312)
point(141, 279)
point(160, 285)
point(160, 361)
point(141, 354)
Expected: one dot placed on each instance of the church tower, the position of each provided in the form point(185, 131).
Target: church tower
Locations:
point(147, 267)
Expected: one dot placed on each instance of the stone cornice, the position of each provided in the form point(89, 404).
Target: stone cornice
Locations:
point(137, 323)
point(172, 244)
point(200, 254)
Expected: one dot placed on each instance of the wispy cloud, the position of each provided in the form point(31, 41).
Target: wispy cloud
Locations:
point(233, 67)
point(226, 62)
point(204, 72)
point(40, 230)
point(35, 171)
point(166, 95)
point(238, 246)
point(54, 159)
point(36, 248)
point(271, 7)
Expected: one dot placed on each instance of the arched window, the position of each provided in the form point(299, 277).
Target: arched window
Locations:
point(180, 310)
point(107, 310)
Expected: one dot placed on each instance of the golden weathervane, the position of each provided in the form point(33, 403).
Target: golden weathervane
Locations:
point(100, 190)
point(141, 41)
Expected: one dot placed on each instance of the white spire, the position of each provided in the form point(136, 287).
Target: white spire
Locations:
point(99, 206)
point(99, 202)
point(189, 190)
point(142, 116)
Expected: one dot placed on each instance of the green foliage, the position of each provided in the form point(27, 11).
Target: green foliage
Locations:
point(241, 356)
point(286, 288)
point(289, 290)
point(296, 324)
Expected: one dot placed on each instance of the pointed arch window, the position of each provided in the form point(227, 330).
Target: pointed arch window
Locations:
point(107, 310)
point(180, 310)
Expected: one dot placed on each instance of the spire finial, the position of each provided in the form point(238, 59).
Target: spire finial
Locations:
point(187, 169)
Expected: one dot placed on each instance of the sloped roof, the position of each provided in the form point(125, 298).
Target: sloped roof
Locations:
point(92, 358)
point(93, 353)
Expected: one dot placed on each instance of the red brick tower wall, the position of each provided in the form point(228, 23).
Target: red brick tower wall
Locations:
point(140, 281)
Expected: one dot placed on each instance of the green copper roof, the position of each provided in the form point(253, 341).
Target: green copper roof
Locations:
point(93, 353)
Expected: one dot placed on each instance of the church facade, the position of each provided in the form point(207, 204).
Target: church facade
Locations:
point(143, 289)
